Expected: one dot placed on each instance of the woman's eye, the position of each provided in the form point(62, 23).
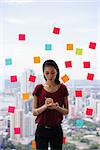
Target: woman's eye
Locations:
point(47, 73)
point(53, 73)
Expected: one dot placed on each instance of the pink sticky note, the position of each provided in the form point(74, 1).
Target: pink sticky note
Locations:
point(21, 37)
point(68, 64)
point(78, 93)
point(32, 78)
point(90, 76)
point(92, 45)
point(56, 30)
point(64, 140)
point(89, 111)
point(17, 131)
point(86, 64)
point(11, 109)
point(13, 78)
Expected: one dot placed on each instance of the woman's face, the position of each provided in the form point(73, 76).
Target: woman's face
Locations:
point(50, 73)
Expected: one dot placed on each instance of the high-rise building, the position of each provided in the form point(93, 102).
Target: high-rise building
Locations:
point(78, 106)
point(26, 85)
point(26, 122)
point(2, 123)
point(17, 121)
point(97, 108)
point(29, 125)
point(1, 138)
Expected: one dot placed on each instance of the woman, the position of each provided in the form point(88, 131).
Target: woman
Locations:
point(50, 104)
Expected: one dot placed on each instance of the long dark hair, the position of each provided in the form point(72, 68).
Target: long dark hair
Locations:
point(52, 63)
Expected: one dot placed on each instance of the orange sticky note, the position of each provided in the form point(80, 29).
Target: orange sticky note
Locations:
point(65, 78)
point(33, 144)
point(25, 96)
point(69, 47)
point(37, 59)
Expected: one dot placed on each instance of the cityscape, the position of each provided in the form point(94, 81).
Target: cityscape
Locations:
point(17, 124)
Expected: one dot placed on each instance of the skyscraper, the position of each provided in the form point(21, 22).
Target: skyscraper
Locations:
point(16, 121)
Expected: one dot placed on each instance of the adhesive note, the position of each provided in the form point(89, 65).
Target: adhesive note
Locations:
point(17, 131)
point(68, 64)
point(79, 122)
point(25, 96)
point(8, 61)
point(13, 78)
point(37, 59)
point(48, 46)
point(65, 78)
point(92, 45)
point(11, 109)
point(90, 76)
point(89, 111)
point(33, 144)
point(32, 78)
point(21, 37)
point(64, 140)
point(79, 51)
point(86, 64)
point(69, 47)
point(78, 93)
point(56, 30)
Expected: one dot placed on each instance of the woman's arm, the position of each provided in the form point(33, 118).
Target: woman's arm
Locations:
point(37, 110)
point(64, 110)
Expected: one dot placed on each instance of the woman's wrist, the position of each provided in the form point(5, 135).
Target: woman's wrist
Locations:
point(45, 106)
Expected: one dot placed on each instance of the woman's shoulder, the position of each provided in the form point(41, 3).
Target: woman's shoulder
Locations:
point(38, 86)
point(63, 85)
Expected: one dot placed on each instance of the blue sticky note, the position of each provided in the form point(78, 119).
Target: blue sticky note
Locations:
point(8, 61)
point(48, 46)
point(79, 122)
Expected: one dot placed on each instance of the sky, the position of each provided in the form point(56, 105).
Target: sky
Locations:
point(79, 23)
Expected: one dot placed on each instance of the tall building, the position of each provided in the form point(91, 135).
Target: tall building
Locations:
point(29, 125)
point(97, 104)
point(26, 122)
point(2, 123)
point(26, 85)
point(1, 138)
point(78, 106)
point(17, 121)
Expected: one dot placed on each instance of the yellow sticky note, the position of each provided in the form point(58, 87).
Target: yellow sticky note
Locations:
point(65, 78)
point(69, 47)
point(25, 96)
point(37, 59)
point(33, 144)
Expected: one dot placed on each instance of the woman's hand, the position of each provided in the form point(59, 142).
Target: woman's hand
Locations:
point(49, 102)
point(54, 106)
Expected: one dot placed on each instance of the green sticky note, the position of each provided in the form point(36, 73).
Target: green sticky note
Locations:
point(79, 51)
